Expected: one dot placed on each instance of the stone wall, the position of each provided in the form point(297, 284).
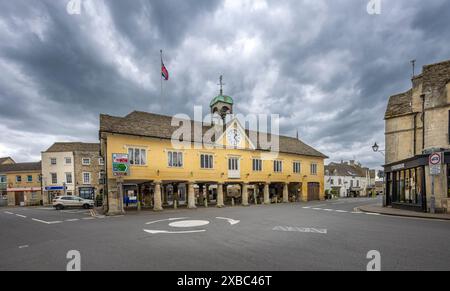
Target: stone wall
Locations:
point(94, 168)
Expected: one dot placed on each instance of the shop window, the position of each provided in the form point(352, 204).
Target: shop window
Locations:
point(448, 180)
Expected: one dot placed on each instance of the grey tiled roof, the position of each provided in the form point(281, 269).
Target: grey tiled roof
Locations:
point(343, 169)
point(159, 126)
point(73, 147)
point(20, 167)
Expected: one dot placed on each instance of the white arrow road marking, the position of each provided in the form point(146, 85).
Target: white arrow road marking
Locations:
point(172, 232)
point(46, 222)
point(231, 221)
point(169, 219)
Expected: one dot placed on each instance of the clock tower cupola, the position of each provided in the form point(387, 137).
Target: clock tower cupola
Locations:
point(222, 104)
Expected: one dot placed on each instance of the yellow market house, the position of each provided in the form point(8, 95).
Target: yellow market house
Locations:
point(232, 170)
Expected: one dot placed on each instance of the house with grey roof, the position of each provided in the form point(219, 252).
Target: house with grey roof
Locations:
point(349, 179)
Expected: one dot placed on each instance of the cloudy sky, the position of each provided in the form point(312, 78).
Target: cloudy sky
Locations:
point(326, 67)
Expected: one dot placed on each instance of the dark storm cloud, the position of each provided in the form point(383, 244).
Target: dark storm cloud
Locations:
point(327, 67)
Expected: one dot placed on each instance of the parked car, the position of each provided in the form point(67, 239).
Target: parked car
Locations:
point(62, 202)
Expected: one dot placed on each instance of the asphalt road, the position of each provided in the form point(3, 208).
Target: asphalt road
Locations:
point(300, 236)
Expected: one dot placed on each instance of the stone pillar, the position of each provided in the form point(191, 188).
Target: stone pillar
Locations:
point(286, 193)
point(244, 194)
point(191, 196)
point(220, 195)
point(266, 194)
point(157, 204)
point(115, 197)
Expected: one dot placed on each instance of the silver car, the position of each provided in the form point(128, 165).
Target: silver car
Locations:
point(62, 202)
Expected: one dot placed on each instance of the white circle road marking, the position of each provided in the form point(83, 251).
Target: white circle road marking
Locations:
point(189, 223)
point(172, 232)
point(168, 219)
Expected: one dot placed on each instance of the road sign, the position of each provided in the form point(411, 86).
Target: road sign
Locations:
point(435, 162)
point(121, 164)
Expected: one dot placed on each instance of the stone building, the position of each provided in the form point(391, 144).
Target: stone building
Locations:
point(23, 183)
point(349, 179)
point(417, 124)
point(232, 168)
point(72, 168)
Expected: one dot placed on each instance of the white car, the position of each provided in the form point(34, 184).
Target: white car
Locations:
point(62, 202)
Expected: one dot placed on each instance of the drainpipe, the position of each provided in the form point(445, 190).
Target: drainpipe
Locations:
point(415, 134)
point(423, 121)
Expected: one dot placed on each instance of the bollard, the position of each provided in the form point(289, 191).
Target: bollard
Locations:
point(232, 201)
point(175, 204)
point(206, 203)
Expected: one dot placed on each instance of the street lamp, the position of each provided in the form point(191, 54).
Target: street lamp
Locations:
point(376, 149)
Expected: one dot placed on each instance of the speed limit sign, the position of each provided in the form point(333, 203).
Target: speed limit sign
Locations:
point(435, 161)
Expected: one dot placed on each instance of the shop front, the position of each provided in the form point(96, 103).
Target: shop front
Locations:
point(87, 193)
point(405, 184)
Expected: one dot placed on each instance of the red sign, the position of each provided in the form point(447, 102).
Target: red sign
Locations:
point(435, 159)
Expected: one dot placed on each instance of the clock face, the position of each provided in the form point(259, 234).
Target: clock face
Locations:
point(234, 137)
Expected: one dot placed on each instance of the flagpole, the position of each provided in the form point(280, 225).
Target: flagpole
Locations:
point(160, 73)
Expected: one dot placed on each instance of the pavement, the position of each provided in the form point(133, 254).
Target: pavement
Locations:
point(400, 212)
point(327, 235)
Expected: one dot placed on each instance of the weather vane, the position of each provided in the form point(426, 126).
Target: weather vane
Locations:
point(221, 84)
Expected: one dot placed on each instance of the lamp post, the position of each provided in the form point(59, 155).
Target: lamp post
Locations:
point(376, 149)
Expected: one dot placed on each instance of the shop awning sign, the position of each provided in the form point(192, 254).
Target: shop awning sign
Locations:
point(435, 162)
point(121, 164)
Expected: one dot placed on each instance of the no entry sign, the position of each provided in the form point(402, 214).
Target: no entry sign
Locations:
point(435, 162)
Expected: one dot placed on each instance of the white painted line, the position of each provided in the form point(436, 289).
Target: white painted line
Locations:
point(73, 219)
point(329, 210)
point(88, 218)
point(172, 232)
point(23, 247)
point(357, 212)
point(375, 214)
point(342, 211)
point(300, 229)
point(23, 216)
point(46, 222)
point(10, 213)
point(189, 223)
point(317, 208)
point(169, 219)
point(307, 207)
point(41, 221)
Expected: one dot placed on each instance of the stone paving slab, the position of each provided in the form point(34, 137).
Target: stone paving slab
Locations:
point(400, 212)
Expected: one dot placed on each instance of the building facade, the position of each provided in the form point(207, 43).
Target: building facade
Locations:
point(349, 179)
point(233, 169)
point(23, 183)
point(72, 168)
point(417, 124)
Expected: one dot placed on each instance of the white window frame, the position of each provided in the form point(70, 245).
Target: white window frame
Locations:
point(101, 161)
point(257, 165)
point(53, 159)
point(54, 182)
point(297, 167)
point(84, 180)
point(132, 156)
point(18, 179)
point(206, 161)
point(278, 166)
point(28, 180)
point(66, 159)
point(83, 161)
point(71, 178)
point(314, 169)
point(174, 160)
